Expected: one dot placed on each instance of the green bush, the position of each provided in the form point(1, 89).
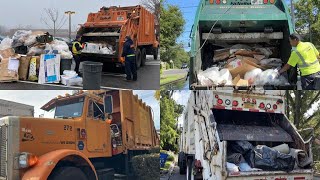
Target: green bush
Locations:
point(146, 166)
point(170, 158)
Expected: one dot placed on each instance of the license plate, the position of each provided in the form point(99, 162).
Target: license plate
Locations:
point(248, 105)
point(255, 2)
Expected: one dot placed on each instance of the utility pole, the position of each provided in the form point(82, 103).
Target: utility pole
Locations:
point(292, 15)
point(70, 13)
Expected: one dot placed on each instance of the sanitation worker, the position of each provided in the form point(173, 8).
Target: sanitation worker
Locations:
point(76, 51)
point(306, 56)
point(130, 59)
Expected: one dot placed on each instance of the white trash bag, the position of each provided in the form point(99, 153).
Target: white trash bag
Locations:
point(252, 75)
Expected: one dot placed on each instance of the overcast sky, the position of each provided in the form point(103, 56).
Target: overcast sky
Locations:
point(17, 12)
point(38, 98)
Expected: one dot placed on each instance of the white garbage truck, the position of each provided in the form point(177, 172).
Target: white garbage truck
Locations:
point(218, 125)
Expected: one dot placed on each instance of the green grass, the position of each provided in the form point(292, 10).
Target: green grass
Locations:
point(170, 78)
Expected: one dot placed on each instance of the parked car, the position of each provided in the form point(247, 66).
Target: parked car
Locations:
point(184, 66)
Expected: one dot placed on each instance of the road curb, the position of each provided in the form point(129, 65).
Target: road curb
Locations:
point(174, 81)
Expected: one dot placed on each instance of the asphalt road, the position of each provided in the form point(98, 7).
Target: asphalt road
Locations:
point(148, 79)
point(176, 175)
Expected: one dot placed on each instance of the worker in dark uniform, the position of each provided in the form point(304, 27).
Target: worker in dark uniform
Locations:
point(130, 59)
point(76, 51)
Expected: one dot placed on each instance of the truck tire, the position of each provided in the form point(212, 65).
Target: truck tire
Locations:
point(138, 58)
point(143, 57)
point(67, 173)
point(155, 53)
point(182, 163)
point(189, 168)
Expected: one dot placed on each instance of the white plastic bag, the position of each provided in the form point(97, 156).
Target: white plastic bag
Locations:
point(66, 55)
point(270, 77)
point(32, 39)
point(225, 77)
point(6, 43)
point(274, 62)
point(20, 37)
point(252, 75)
point(34, 51)
point(60, 46)
point(232, 167)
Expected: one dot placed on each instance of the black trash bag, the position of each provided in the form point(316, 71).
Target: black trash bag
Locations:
point(241, 147)
point(245, 148)
point(272, 160)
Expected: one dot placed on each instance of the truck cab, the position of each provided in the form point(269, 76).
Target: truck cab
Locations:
point(215, 120)
point(222, 24)
point(90, 135)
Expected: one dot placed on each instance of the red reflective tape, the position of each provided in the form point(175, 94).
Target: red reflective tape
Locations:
point(280, 179)
point(219, 107)
point(237, 109)
point(254, 110)
point(299, 178)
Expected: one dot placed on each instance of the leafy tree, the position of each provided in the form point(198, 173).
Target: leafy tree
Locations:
point(170, 111)
point(171, 28)
point(303, 110)
point(307, 19)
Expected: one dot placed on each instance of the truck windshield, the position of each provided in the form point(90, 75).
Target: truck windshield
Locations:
point(69, 109)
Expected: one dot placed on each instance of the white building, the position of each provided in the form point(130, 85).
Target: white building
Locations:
point(9, 108)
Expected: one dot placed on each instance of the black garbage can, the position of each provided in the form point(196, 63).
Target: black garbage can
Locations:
point(92, 75)
point(65, 64)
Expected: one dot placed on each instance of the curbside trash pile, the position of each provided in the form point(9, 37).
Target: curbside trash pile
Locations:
point(242, 65)
point(36, 56)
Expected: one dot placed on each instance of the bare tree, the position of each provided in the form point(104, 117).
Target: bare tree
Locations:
point(154, 7)
point(53, 20)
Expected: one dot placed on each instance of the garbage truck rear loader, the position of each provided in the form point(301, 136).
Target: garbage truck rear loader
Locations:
point(105, 31)
point(218, 125)
point(221, 25)
point(93, 136)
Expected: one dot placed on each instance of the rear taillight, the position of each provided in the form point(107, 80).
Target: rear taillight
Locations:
point(217, 1)
point(272, 1)
point(216, 96)
point(220, 101)
point(235, 103)
point(265, 1)
point(211, 1)
point(261, 106)
point(275, 107)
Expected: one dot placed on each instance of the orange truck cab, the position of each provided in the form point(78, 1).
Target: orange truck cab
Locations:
point(111, 25)
point(93, 136)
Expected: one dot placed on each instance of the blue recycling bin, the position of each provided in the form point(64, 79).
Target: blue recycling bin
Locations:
point(163, 159)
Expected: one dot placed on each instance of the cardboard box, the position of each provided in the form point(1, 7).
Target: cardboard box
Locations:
point(241, 70)
point(7, 75)
point(237, 81)
point(7, 53)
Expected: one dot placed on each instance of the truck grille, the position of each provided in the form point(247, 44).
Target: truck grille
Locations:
point(3, 151)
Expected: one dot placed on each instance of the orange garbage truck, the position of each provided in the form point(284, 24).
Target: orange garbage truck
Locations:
point(94, 135)
point(104, 32)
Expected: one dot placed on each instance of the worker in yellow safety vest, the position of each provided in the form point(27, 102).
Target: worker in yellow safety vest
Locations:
point(306, 56)
point(76, 51)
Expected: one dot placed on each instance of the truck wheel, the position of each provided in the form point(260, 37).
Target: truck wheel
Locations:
point(143, 57)
point(138, 58)
point(155, 53)
point(67, 173)
point(190, 175)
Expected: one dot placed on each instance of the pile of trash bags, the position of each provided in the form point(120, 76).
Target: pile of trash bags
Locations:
point(98, 48)
point(35, 56)
point(247, 66)
point(242, 156)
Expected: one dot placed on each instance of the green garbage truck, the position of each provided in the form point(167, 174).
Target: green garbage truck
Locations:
point(246, 25)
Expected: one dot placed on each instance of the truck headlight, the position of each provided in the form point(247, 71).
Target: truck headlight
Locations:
point(27, 160)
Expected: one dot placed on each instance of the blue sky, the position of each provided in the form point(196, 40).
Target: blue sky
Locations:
point(38, 98)
point(188, 8)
